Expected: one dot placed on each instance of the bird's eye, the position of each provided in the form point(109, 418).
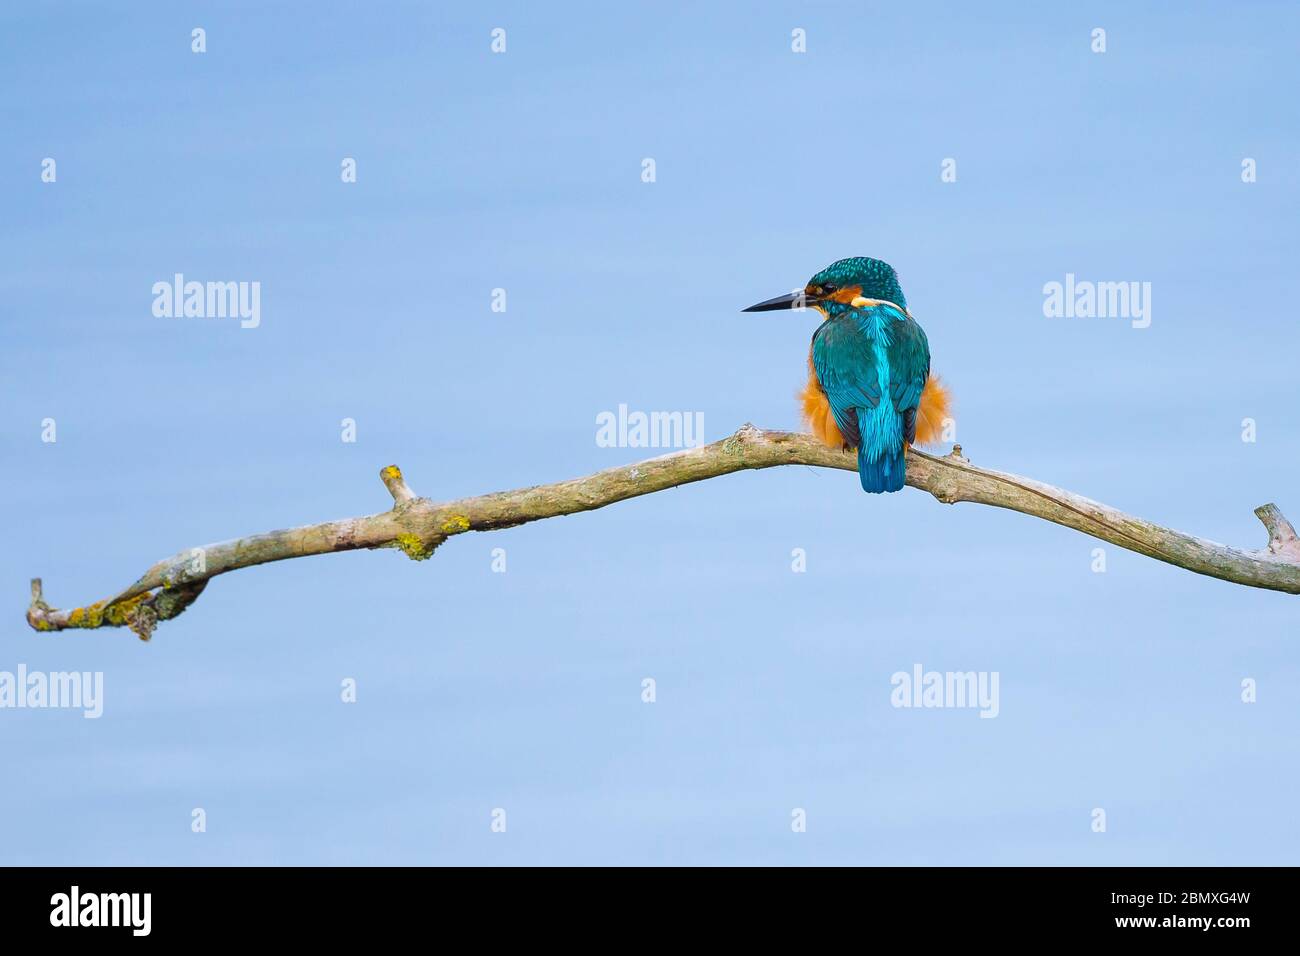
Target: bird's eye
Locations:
point(828, 288)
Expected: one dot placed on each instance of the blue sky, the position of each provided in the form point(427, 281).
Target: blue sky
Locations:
point(522, 170)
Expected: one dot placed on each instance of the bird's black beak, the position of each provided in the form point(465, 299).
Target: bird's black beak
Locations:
point(795, 300)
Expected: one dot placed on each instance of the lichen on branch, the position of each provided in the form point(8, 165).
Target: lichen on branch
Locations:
point(418, 526)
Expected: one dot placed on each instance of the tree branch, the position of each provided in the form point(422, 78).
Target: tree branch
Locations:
point(417, 525)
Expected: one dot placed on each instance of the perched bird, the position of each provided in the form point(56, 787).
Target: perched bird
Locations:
point(869, 383)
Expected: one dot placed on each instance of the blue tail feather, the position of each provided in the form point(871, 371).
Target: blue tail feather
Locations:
point(886, 473)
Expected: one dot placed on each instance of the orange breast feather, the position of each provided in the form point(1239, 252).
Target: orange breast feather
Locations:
point(935, 408)
point(936, 405)
point(817, 411)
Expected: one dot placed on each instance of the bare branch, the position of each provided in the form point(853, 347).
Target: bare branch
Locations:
point(1281, 536)
point(417, 526)
point(396, 484)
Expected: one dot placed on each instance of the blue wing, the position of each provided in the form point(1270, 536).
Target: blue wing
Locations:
point(844, 358)
point(909, 367)
point(860, 356)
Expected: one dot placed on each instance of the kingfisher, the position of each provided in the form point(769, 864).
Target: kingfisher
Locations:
point(869, 383)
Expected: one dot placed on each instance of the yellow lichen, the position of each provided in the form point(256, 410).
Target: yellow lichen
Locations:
point(92, 616)
point(101, 613)
point(413, 547)
point(124, 612)
point(455, 524)
point(391, 473)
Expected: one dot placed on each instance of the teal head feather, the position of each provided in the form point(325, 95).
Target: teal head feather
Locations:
point(875, 279)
